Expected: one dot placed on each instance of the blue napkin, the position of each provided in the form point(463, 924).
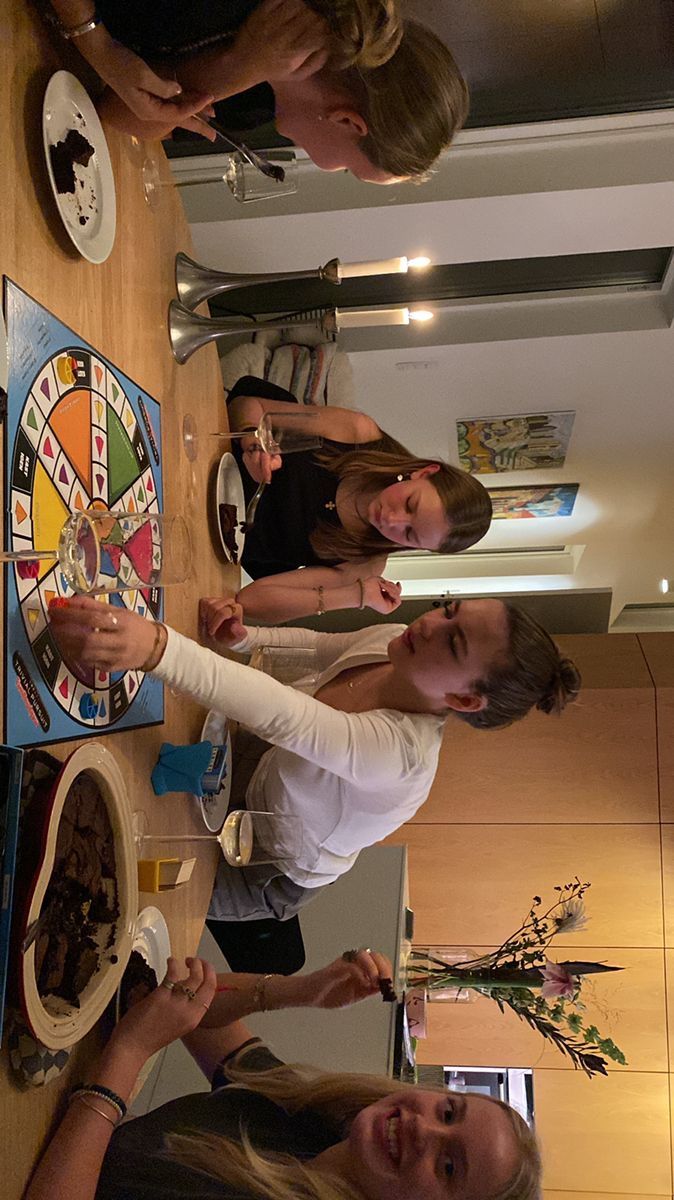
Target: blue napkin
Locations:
point(180, 768)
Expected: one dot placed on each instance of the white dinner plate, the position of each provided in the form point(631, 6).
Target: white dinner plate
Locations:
point(229, 490)
point(90, 215)
point(214, 808)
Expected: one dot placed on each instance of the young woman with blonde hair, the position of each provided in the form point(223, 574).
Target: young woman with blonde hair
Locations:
point(350, 81)
point(268, 1131)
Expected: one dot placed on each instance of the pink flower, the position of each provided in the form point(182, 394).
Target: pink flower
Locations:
point(558, 984)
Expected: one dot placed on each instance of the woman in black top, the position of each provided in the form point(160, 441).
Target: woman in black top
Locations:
point(353, 84)
point(341, 511)
point(277, 1132)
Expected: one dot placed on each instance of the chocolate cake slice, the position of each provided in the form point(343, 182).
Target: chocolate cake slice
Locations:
point(229, 521)
point(138, 981)
point(64, 155)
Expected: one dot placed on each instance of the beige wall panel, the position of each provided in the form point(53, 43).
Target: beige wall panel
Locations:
point(628, 1006)
point(664, 704)
point(606, 1135)
point(667, 835)
point(607, 660)
point(471, 885)
point(658, 651)
point(669, 998)
point(597, 762)
point(548, 1195)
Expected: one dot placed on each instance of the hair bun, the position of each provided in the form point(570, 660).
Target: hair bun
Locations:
point(368, 31)
point(562, 689)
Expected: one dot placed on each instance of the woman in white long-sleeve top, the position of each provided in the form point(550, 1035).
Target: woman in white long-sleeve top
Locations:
point(357, 758)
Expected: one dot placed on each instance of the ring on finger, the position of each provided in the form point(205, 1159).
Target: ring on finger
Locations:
point(189, 993)
point(168, 983)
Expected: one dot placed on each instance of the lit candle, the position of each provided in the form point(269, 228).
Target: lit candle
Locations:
point(354, 318)
point(386, 266)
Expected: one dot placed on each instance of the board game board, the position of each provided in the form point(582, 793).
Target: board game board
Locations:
point(79, 434)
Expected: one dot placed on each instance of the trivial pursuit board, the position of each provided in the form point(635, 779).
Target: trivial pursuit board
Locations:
point(79, 435)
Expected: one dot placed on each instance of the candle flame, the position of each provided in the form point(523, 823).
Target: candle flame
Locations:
point(420, 314)
point(420, 262)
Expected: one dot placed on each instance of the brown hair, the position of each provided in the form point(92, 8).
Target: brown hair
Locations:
point(337, 1099)
point(464, 499)
point(367, 32)
point(534, 674)
point(414, 105)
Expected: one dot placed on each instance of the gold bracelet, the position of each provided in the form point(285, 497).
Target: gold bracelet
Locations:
point(94, 1108)
point(259, 996)
point(361, 585)
point(157, 652)
point(321, 601)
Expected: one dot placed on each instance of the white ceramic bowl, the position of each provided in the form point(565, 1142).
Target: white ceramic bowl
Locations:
point(55, 1022)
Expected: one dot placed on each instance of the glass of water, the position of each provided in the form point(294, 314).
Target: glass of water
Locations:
point(247, 184)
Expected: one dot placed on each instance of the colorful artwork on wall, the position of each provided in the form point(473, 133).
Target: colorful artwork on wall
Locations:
point(524, 442)
point(542, 500)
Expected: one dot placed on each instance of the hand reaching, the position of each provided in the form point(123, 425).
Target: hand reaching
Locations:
point(257, 462)
point(220, 617)
point(98, 634)
point(342, 982)
point(284, 39)
point(169, 1012)
point(381, 595)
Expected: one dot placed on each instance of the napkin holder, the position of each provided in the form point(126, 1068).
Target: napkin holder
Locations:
point(163, 874)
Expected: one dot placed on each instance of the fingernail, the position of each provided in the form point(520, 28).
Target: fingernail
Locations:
point(58, 602)
point(178, 91)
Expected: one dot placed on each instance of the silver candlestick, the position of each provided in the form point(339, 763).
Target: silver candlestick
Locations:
point(195, 283)
point(188, 331)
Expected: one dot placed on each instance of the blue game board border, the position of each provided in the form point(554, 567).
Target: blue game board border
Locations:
point(86, 731)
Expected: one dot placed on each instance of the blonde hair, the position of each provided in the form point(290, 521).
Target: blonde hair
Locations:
point(465, 501)
point(337, 1098)
point(367, 33)
point(414, 104)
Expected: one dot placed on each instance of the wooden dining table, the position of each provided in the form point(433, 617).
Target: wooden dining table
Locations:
point(120, 308)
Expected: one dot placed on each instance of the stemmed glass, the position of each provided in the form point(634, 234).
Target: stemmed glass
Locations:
point(246, 838)
point(111, 552)
point(277, 433)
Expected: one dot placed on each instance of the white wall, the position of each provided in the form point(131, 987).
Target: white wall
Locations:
point(621, 452)
point(620, 384)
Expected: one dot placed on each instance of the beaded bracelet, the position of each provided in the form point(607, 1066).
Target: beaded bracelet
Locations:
point(97, 1089)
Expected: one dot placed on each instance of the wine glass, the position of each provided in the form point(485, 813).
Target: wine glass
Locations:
point(246, 838)
point(277, 433)
point(102, 552)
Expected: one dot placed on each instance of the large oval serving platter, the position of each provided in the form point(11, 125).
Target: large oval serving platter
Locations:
point(52, 1020)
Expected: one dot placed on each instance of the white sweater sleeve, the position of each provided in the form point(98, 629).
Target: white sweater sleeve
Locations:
point(328, 646)
point(373, 748)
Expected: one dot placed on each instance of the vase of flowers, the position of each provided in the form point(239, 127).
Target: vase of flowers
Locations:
point(520, 975)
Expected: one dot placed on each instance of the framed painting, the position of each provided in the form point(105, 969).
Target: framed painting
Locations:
point(541, 500)
point(524, 442)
